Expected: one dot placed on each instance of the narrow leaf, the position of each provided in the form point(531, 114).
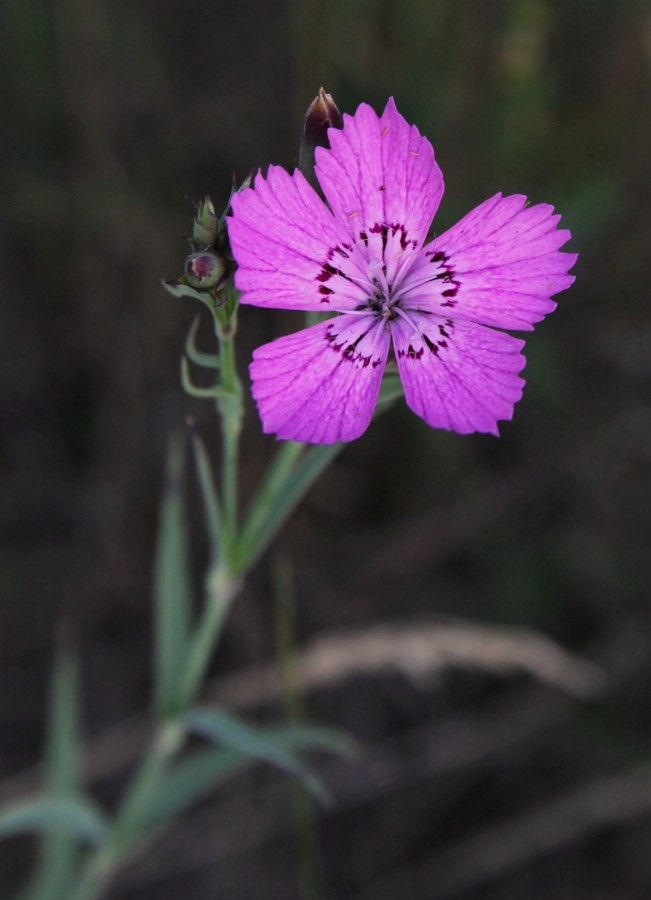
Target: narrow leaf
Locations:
point(172, 586)
point(179, 289)
point(207, 360)
point(211, 507)
point(290, 478)
point(190, 780)
point(286, 498)
point(58, 852)
point(278, 474)
point(76, 817)
point(299, 738)
point(193, 390)
point(226, 730)
point(63, 740)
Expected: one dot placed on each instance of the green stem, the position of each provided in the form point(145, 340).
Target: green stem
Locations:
point(230, 409)
point(233, 553)
point(221, 589)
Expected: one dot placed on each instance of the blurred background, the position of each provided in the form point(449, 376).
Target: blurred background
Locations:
point(505, 754)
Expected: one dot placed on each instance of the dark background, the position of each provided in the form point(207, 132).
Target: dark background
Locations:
point(483, 782)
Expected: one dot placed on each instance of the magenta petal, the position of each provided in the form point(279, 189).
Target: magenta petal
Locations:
point(380, 170)
point(506, 263)
point(281, 233)
point(458, 375)
point(320, 385)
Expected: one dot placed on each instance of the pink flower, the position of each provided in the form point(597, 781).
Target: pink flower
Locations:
point(364, 257)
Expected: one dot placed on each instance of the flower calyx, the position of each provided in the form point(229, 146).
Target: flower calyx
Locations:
point(209, 267)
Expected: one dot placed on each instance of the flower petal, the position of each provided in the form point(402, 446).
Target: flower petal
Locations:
point(380, 171)
point(320, 385)
point(503, 264)
point(282, 234)
point(458, 375)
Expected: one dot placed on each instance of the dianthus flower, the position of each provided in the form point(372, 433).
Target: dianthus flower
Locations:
point(363, 255)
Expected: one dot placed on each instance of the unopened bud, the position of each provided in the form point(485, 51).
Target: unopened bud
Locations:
point(204, 229)
point(204, 270)
point(321, 115)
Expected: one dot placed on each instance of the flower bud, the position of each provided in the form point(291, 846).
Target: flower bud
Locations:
point(204, 270)
point(204, 229)
point(321, 114)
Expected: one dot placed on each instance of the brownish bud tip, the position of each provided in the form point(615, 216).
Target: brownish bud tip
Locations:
point(322, 113)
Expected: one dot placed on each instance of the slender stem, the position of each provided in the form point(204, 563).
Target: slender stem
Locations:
point(292, 473)
point(221, 585)
point(221, 589)
point(230, 409)
point(95, 876)
point(130, 827)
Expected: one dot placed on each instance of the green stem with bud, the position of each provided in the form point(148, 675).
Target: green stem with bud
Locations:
point(235, 546)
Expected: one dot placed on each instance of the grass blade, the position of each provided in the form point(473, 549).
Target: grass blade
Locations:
point(172, 586)
point(58, 852)
point(191, 780)
point(290, 478)
point(74, 817)
point(211, 507)
point(268, 746)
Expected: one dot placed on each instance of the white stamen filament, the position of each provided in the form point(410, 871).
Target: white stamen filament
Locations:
point(418, 330)
point(408, 286)
point(375, 282)
point(379, 275)
point(405, 262)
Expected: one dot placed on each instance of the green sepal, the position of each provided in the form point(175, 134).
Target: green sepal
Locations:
point(180, 288)
point(205, 225)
